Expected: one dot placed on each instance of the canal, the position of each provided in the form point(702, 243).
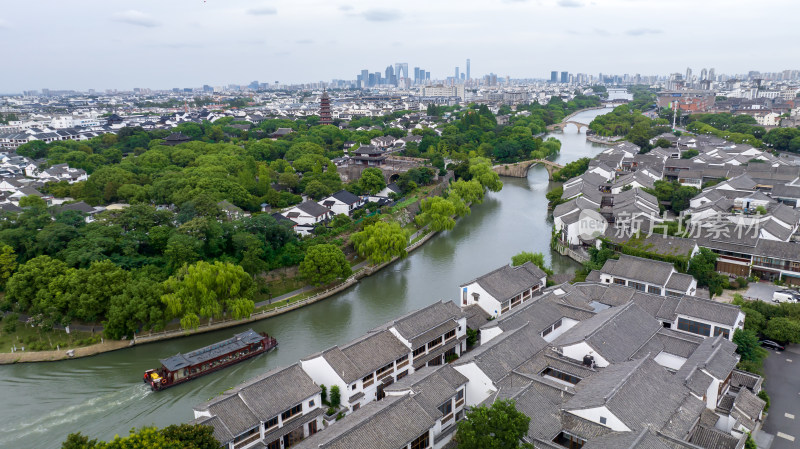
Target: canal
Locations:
point(104, 395)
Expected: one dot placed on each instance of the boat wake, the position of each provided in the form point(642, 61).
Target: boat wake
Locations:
point(98, 405)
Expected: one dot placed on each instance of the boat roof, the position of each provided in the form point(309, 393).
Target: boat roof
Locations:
point(210, 352)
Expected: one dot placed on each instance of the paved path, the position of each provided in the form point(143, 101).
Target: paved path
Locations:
point(301, 290)
point(782, 370)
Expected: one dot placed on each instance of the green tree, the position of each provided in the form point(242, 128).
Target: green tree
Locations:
point(436, 213)
point(324, 263)
point(31, 278)
point(380, 242)
point(371, 180)
point(481, 170)
point(180, 436)
point(137, 307)
point(747, 346)
point(783, 329)
point(470, 191)
point(703, 268)
point(336, 396)
point(500, 426)
point(8, 263)
point(535, 258)
point(206, 290)
point(317, 190)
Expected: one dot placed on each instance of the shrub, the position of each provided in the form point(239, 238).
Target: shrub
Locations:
point(10, 323)
point(472, 337)
point(324, 393)
point(765, 397)
point(741, 282)
point(336, 396)
point(450, 358)
point(331, 411)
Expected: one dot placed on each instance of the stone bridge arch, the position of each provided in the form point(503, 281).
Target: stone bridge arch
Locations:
point(579, 125)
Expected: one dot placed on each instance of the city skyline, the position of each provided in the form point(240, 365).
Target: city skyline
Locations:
point(163, 45)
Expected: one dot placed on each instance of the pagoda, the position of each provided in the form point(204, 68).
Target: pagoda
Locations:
point(325, 109)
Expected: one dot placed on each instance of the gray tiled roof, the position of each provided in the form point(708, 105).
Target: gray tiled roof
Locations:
point(221, 432)
point(716, 355)
point(365, 355)
point(387, 424)
point(236, 415)
point(431, 386)
point(747, 407)
point(615, 333)
point(628, 390)
point(711, 438)
point(637, 268)
point(640, 439)
point(313, 208)
point(707, 309)
point(346, 197)
point(680, 282)
point(277, 391)
point(505, 352)
point(507, 281)
point(420, 322)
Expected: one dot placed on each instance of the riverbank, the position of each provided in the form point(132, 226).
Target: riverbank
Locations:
point(114, 345)
point(610, 141)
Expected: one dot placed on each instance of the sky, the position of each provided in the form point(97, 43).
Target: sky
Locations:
point(118, 44)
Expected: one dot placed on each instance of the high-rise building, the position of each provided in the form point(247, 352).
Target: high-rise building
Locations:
point(325, 109)
point(703, 74)
point(554, 76)
point(427, 76)
point(468, 74)
point(456, 75)
point(711, 75)
point(390, 79)
point(401, 70)
point(688, 76)
point(416, 75)
point(564, 77)
point(364, 78)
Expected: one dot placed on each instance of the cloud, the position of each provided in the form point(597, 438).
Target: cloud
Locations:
point(570, 3)
point(304, 41)
point(262, 11)
point(138, 18)
point(382, 15)
point(642, 31)
point(601, 32)
point(345, 8)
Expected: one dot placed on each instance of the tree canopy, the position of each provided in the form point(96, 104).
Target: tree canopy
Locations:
point(500, 426)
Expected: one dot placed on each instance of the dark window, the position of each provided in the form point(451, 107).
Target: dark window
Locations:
point(694, 327)
point(274, 445)
point(558, 324)
point(357, 406)
point(367, 378)
point(569, 441)
point(619, 281)
point(547, 331)
point(561, 375)
point(654, 290)
point(676, 294)
point(420, 350)
point(447, 407)
point(450, 334)
point(310, 403)
point(637, 286)
point(388, 367)
point(721, 330)
point(460, 395)
point(312, 427)
point(292, 412)
point(402, 374)
point(435, 342)
point(402, 359)
point(421, 442)
point(271, 423)
point(246, 435)
point(603, 420)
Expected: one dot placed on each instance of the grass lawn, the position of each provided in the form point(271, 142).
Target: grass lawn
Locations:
point(280, 287)
point(34, 339)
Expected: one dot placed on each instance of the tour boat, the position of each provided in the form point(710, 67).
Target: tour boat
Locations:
point(181, 368)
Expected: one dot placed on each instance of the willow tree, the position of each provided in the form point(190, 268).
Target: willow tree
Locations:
point(206, 290)
point(381, 242)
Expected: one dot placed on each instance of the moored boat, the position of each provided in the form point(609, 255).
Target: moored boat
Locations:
point(182, 368)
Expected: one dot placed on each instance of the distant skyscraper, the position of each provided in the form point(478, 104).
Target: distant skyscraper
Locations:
point(468, 74)
point(554, 76)
point(427, 76)
point(389, 72)
point(401, 70)
point(703, 74)
point(325, 109)
point(564, 77)
point(711, 75)
point(416, 75)
point(688, 76)
point(456, 76)
point(364, 78)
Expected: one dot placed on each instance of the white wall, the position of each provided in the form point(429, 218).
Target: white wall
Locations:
point(566, 324)
point(479, 386)
point(594, 414)
point(486, 301)
point(579, 350)
point(322, 373)
point(490, 333)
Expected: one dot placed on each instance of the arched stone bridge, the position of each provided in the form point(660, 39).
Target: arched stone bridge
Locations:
point(563, 125)
point(520, 169)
